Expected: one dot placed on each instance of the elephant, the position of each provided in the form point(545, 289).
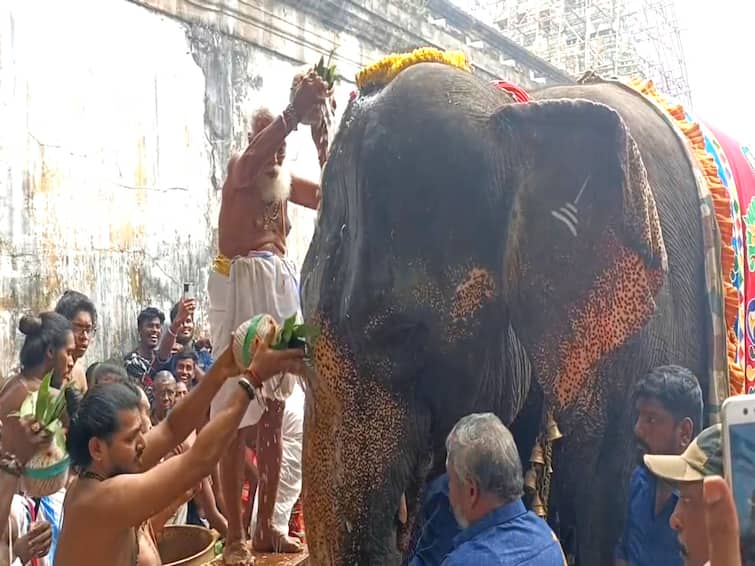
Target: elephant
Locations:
point(473, 254)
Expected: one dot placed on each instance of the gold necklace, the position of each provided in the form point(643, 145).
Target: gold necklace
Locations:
point(271, 214)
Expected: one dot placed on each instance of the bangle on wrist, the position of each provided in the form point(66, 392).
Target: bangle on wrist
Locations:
point(247, 387)
point(172, 332)
point(10, 464)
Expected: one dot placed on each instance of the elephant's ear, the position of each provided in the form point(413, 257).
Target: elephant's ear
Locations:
point(584, 256)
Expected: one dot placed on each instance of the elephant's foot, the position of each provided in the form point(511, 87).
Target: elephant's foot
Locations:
point(237, 554)
point(274, 541)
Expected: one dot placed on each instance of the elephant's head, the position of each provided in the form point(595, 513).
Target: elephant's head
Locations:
point(464, 245)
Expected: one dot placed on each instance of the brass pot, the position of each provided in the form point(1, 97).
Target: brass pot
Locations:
point(186, 545)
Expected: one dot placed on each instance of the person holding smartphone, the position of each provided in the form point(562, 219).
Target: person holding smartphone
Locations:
point(178, 342)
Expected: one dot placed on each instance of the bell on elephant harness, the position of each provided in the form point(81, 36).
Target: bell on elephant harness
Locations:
point(537, 505)
point(530, 481)
point(537, 456)
point(552, 432)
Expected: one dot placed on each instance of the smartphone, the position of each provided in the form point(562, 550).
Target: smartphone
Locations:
point(188, 291)
point(739, 463)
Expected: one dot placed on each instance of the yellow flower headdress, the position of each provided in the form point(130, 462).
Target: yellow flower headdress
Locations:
point(384, 71)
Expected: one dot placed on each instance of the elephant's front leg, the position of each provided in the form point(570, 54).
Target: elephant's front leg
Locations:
point(591, 472)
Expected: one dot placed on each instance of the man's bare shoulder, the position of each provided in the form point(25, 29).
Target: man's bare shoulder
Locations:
point(229, 170)
point(81, 496)
point(88, 497)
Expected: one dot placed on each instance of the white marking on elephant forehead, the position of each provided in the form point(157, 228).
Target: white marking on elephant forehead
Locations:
point(559, 215)
point(570, 211)
point(581, 190)
point(568, 214)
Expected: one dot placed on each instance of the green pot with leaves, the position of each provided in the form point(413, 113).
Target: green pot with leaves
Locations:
point(291, 334)
point(47, 471)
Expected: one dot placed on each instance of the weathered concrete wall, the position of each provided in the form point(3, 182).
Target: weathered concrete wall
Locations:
point(118, 119)
point(114, 137)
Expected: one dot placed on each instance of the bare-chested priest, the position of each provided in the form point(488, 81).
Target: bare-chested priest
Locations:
point(252, 275)
point(123, 483)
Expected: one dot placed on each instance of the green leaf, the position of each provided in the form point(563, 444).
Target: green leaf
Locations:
point(286, 338)
point(281, 343)
point(57, 408)
point(218, 548)
point(50, 408)
point(306, 332)
point(330, 55)
point(288, 329)
point(43, 398)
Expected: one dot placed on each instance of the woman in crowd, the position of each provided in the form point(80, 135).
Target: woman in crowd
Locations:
point(123, 482)
point(48, 347)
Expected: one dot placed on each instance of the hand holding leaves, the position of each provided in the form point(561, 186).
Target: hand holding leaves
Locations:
point(327, 71)
point(294, 335)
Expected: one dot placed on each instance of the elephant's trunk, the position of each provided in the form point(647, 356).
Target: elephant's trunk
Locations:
point(360, 447)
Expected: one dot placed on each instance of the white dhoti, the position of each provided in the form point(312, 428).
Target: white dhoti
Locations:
point(260, 283)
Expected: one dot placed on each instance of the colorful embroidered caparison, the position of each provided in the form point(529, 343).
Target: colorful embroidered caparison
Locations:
point(720, 253)
point(738, 169)
point(714, 149)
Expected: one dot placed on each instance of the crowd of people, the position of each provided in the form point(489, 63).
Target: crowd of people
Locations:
point(165, 434)
point(182, 431)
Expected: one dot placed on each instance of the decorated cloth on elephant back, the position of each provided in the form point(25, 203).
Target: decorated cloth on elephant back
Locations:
point(736, 167)
point(721, 241)
point(734, 225)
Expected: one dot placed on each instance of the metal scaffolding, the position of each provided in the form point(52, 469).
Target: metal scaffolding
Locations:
point(615, 38)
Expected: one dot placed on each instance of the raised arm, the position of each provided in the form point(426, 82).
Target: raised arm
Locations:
point(187, 414)
point(186, 308)
point(127, 500)
point(244, 170)
point(306, 193)
point(190, 412)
